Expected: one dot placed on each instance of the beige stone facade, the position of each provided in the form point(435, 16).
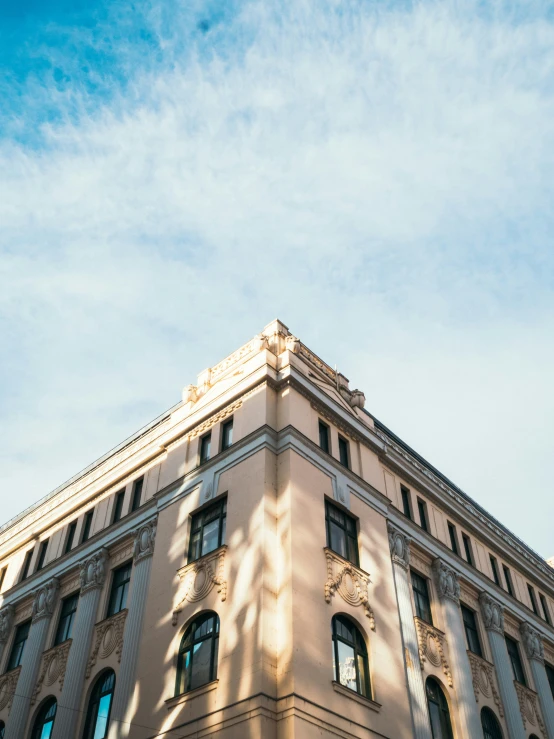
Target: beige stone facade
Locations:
point(291, 452)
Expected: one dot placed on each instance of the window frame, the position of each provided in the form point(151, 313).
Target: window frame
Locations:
point(490, 715)
point(18, 629)
point(3, 573)
point(26, 570)
point(542, 598)
point(443, 709)
point(468, 549)
point(87, 525)
point(71, 614)
point(118, 503)
point(95, 697)
point(136, 494)
point(224, 426)
point(471, 628)
point(344, 452)
point(514, 653)
point(453, 535)
point(406, 497)
point(184, 672)
point(421, 595)
point(495, 572)
point(533, 599)
point(422, 510)
point(324, 434)
point(508, 580)
point(42, 554)
point(205, 440)
point(125, 583)
point(201, 514)
point(349, 537)
point(70, 538)
point(360, 650)
point(550, 676)
point(41, 718)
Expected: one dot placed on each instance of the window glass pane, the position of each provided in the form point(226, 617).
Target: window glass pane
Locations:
point(347, 666)
point(338, 539)
point(210, 537)
point(201, 658)
point(102, 717)
point(435, 715)
point(362, 676)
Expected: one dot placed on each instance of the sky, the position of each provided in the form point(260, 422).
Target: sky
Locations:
point(378, 175)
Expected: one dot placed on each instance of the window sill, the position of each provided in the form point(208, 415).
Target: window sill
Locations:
point(367, 702)
point(185, 697)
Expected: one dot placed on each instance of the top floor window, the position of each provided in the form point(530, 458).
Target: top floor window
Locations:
point(120, 589)
point(324, 441)
point(406, 502)
point(515, 659)
point(27, 565)
point(20, 639)
point(137, 493)
point(207, 531)
point(118, 506)
point(226, 434)
point(70, 537)
point(205, 444)
point(421, 597)
point(87, 525)
point(550, 675)
point(342, 535)
point(494, 568)
point(42, 554)
point(533, 599)
point(344, 452)
point(467, 549)
point(3, 576)
point(422, 508)
point(508, 578)
point(472, 632)
point(453, 538)
point(544, 605)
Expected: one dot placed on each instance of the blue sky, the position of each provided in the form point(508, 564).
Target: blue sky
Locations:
point(175, 175)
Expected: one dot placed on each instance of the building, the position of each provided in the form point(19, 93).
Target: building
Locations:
point(268, 561)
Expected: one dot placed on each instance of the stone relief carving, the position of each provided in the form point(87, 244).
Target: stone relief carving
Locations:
point(432, 647)
point(199, 578)
point(532, 642)
point(145, 537)
point(45, 599)
point(528, 705)
point(399, 545)
point(52, 668)
point(484, 680)
point(108, 638)
point(8, 683)
point(92, 571)
point(190, 394)
point(217, 418)
point(349, 582)
point(492, 612)
point(446, 580)
point(292, 344)
point(7, 615)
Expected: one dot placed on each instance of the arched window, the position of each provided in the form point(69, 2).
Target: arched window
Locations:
point(489, 722)
point(350, 664)
point(44, 722)
point(439, 715)
point(197, 658)
point(99, 707)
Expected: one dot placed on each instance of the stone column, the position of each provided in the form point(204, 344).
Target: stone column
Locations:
point(43, 607)
point(122, 708)
point(400, 553)
point(92, 576)
point(6, 622)
point(493, 618)
point(532, 643)
point(448, 589)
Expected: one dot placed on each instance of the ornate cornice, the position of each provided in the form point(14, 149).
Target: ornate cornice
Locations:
point(532, 641)
point(446, 581)
point(399, 545)
point(7, 615)
point(432, 647)
point(92, 571)
point(145, 537)
point(108, 638)
point(45, 600)
point(492, 612)
point(199, 578)
point(52, 668)
point(484, 680)
point(349, 581)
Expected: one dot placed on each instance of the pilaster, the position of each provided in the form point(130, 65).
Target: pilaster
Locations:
point(532, 643)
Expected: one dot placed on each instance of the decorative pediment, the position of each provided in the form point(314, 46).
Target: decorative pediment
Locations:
point(52, 668)
point(198, 579)
point(349, 582)
point(432, 647)
point(8, 683)
point(529, 707)
point(108, 638)
point(484, 680)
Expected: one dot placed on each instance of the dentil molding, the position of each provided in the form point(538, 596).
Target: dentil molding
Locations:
point(199, 578)
point(349, 582)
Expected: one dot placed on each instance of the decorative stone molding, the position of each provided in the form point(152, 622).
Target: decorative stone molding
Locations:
point(431, 644)
point(7, 615)
point(349, 582)
point(145, 537)
point(529, 707)
point(446, 581)
point(292, 344)
point(190, 394)
point(399, 545)
point(70, 584)
point(121, 553)
point(45, 599)
point(256, 344)
point(216, 418)
point(52, 668)
point(108, 638)
point(469, 597)
point(532, 641)
point(313, 359)
point(199, 578)
point(420, 563)
point(492, 612)
point(8, 683)
point(92, 571)
point(484, 680)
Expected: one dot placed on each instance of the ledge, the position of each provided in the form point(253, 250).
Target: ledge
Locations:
point(185, 697)
point(367, 702)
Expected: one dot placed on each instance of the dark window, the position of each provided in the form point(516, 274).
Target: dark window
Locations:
point(2, 578)
point(2, 729)
point(207, 530)
point(341, 533)
point(99, 707)
point(515, 659)
point(422, 509)
point(324, 437)
point(472, 632)
point(406, 507)
point(494, 568)
point(44, 722)
point(489, 723)
point(18, 647)
point(350, 663)
point(27, 565)
point(205, 444)
point(544, 605)
point(421, 598)
point(42, 555)
point(344, 453)
point(533, 599)
point(508, 578)
point(120, 588)
point(439, 715)
point(118, 506)
point(197, 658)
point(67, 616)
point(453, 538)
point(226, 435)
point(70, 537)
point(467, 549)
point(550, 675)
point(137, 494)
point(87, 525)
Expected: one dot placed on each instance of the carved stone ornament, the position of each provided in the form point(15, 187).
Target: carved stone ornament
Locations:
point(7, 615)
point(349, 582)
point(528, 705)
point(8, 683)
point(108, 638)
point(190, 394)
point(532, 642)
point(199, 578)
point(145, 537)
point(92, 571)
point(357, 399)
point(484, 680)
point(292, 344)
point(52, 668)
point(446, 581)
point(45, 599)
point(431, 644)
point(493, 613)
point(399, 545)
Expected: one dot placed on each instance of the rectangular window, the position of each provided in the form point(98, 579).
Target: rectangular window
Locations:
point(120, 588)
point(533, 599)
point(324, 437)
point(472, 632)
point(42, 555)
point(342, 535)
point(3, 576)
point(344, 452)
point(550, 675)
point(544, 605)
point(70, 537)
point(421, 597)
point(137, 494)
point(515, 659)
point(118, 506)
point(27, 565)
point(16, 655)
point(508, 578)
point(422, 509)
point(226, 434)
point(207, 530)
point(205, 444)
point(67, 616)
point(406, 507)
point(453, 538)
point(87, 524)
point(494, 568)
point(467, 549)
